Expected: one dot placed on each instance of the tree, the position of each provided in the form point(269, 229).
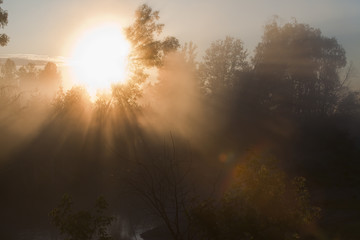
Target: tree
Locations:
point(296, 69)
point(82, 225)
point(262, 203)
point(28, 75)
point(162, 181)
point(8, 71)
point(75, 101)
point(50, 74)
point(10, 94)
point(147, 51)
point(222, 63)
point(4, 39)
point(189, 52)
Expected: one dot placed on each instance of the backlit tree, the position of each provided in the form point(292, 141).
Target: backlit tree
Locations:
point(4, 39)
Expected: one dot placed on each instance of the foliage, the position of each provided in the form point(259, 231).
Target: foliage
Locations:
point(10, 103)
point(189, 53)
point(75, 101)
point(125, 96)
point(297, 69)
point(28, 74)
point(147, 51)
point(4, 39)
point(162, 182)
point(82, 225)
point(349, 103)
point(262, 203)
point(50, 74)
point(10, 93)
point(8, 72)
point(221, 65)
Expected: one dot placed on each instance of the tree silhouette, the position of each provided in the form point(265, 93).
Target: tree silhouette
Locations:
point(4, 39)
point(297, 69)
point(74, 104)
point(163, 182)
point(222, 63)
point(189, 53)
point(262, 203)
point(28, 75)
point(147, 51)
point(8, 71)
point(50, 74)
point(82, 225)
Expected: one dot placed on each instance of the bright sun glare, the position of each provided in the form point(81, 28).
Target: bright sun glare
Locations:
point(99, 58)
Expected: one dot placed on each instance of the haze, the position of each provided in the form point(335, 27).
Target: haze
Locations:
point(48, 24)
point(182, 120)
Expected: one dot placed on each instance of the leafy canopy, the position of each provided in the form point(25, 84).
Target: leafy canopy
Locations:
point(82, 225)
point(4, 39)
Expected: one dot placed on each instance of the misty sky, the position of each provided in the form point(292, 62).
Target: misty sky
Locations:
point(44, 26)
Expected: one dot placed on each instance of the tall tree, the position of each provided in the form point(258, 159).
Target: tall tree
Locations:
point(4, 39)
point(165, 183)
point(8, 71)
point(189, 52)
point(147, 51)
point(221, 64)
point(50, 74)
point(297, 69)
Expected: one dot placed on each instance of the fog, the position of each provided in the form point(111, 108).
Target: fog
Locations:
point(226, 145)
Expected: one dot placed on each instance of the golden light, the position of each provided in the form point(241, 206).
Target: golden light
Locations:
point(99, 58)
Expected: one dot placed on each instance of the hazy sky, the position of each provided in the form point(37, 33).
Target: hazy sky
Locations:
point(44, 26)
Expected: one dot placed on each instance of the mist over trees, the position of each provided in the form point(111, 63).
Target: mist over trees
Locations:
point(230, 145)
point(299, 69)
point(222, 63)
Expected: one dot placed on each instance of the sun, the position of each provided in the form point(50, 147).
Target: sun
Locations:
point(99, 58)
